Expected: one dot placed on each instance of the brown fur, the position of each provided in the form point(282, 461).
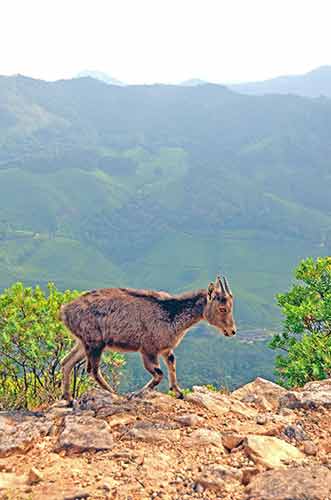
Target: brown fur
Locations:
point(153, 323)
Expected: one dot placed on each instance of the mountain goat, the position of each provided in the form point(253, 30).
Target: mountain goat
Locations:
point(151, 323)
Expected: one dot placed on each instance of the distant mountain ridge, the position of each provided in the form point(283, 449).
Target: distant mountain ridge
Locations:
point(99, 75)
point(315, 83)
point(193, 82)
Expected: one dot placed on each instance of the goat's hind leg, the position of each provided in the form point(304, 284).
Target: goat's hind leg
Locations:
point(93, 368)
point(152, 365)
point(170, 361)
point(68, 362)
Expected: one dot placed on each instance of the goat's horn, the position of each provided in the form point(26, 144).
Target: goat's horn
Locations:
point(227, 288)
point(219, 284)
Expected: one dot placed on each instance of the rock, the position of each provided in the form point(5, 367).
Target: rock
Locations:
point(318, 385)
point(326, 445)
point(198, 488)
point(261, 392)
point(294, 483)
point(10, 481)
point(270, 451)
point(214, 478)
point(232, 440)
point(60, 410)
point(95, 400)
point(34, 476)
point(285, 412)
point(189, 420)
point(82, 433)
point(261, 419)
point(153, 433)
point(78, 495)
point(310, 448)
point(117, 420)
point(248, 473)
point(19, 432)
point(109, 484)
point(295, 432)
point(4, 467)
point(313, 395)
point(157, 465)
point(204, 437)
point(219, 404)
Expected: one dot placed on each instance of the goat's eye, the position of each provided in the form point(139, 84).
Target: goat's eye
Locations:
point(222, 300)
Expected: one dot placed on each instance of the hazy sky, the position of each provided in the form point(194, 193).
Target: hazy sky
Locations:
point(164, 40)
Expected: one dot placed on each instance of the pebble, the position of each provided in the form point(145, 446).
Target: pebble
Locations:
point(198, 488)
point(310, 448)
point(188, 420)
point(261, 419)
point(232, 440)
point(295, 432)
point(77, 496)
point(34, 476)
point(248, 473)
point(106, 487)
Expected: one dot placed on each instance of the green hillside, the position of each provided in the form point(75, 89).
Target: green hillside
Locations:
point(162, 187)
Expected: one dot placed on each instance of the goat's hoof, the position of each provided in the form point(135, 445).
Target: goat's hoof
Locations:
point(139, 394)
point(133, 395)
point(177, 392)
point(62, 403)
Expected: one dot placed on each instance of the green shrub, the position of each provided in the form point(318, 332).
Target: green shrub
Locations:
point(306, 335)
point(32, 343)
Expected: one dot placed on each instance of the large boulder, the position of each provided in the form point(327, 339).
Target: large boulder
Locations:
point(219, 404)
point(312, 396)
point(84, 433)
point(294, 483)
point(271, 452)
point(263, 393)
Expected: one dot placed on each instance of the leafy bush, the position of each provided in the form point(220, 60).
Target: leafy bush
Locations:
point(306, 336)
point(32, 343)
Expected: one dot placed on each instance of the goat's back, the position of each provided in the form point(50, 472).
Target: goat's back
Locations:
point(119, 318)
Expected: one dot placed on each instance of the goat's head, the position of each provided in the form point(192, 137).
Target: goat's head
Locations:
point(219, 307)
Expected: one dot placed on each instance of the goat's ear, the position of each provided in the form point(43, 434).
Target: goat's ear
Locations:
point(211, 288)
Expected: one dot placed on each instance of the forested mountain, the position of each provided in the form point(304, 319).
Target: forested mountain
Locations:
point(315, 83)
point(162, 186)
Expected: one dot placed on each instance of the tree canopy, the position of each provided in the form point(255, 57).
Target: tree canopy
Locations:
point(306, 335)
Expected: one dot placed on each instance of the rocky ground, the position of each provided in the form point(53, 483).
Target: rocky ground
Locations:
point(258, 443)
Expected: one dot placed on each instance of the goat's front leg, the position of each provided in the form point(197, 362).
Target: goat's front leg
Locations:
point(170, 361)
point(152, 365)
